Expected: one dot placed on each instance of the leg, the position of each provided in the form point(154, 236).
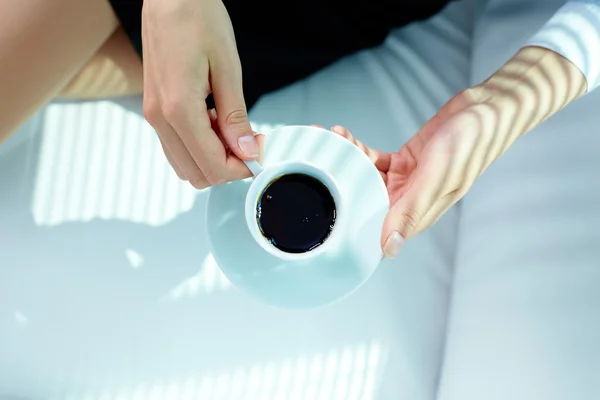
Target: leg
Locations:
point(43, 44)
point(114, 71)
point(524, 322)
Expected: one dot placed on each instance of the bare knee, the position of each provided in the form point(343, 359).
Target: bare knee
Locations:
point(114, 71)
point(43, 44)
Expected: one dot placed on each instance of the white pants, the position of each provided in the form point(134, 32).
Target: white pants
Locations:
point(108, 289)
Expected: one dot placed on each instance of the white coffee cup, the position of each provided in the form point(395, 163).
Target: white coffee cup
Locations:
point(264, 178)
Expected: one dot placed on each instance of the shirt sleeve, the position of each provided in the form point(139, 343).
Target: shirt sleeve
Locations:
point(574, 33)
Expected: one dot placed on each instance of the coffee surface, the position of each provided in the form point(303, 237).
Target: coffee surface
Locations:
point(296, 212)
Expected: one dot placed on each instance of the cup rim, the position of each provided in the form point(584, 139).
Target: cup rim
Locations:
point(271, 173)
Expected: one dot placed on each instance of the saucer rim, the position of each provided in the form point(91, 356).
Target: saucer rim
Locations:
point(231, 274)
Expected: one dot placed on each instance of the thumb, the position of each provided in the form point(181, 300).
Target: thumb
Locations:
point(232, 116)
point(405, 216)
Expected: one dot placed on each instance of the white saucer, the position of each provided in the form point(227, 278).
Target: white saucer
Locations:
point(329, 276)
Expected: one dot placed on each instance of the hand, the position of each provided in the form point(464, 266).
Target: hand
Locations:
point(437, 166)
point(189, 52)
point(433, 170)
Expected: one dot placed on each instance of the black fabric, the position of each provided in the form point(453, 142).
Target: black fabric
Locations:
point(283, 41)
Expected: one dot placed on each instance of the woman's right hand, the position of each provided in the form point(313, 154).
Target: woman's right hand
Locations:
point(190, 51)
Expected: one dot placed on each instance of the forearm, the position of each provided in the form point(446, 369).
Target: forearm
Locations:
point(536, 83)
point(558, 64)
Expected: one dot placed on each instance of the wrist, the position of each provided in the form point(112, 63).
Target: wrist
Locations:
point(535, 83)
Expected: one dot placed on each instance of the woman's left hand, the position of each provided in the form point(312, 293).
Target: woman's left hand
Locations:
point(434, 169)
point(437, 166)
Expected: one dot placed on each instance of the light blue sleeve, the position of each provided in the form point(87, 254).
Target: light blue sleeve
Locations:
point(574, 33)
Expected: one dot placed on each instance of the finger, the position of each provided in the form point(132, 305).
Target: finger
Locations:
point(191, 121)
point(172, 161)
point(437, 211)
point(226, 83)
point(381, 159)
point(317, 126)
point(175, 150)
point(260, 138)
point(208, 151)
point(407, 213)
point(214, 125)
point(181, 156)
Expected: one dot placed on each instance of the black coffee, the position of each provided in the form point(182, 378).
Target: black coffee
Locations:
point(296, 213)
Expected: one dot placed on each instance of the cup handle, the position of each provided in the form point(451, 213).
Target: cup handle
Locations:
point(254, 167)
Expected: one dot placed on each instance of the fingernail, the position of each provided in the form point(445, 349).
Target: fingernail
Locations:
point(393, 244)
point(249, 146)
